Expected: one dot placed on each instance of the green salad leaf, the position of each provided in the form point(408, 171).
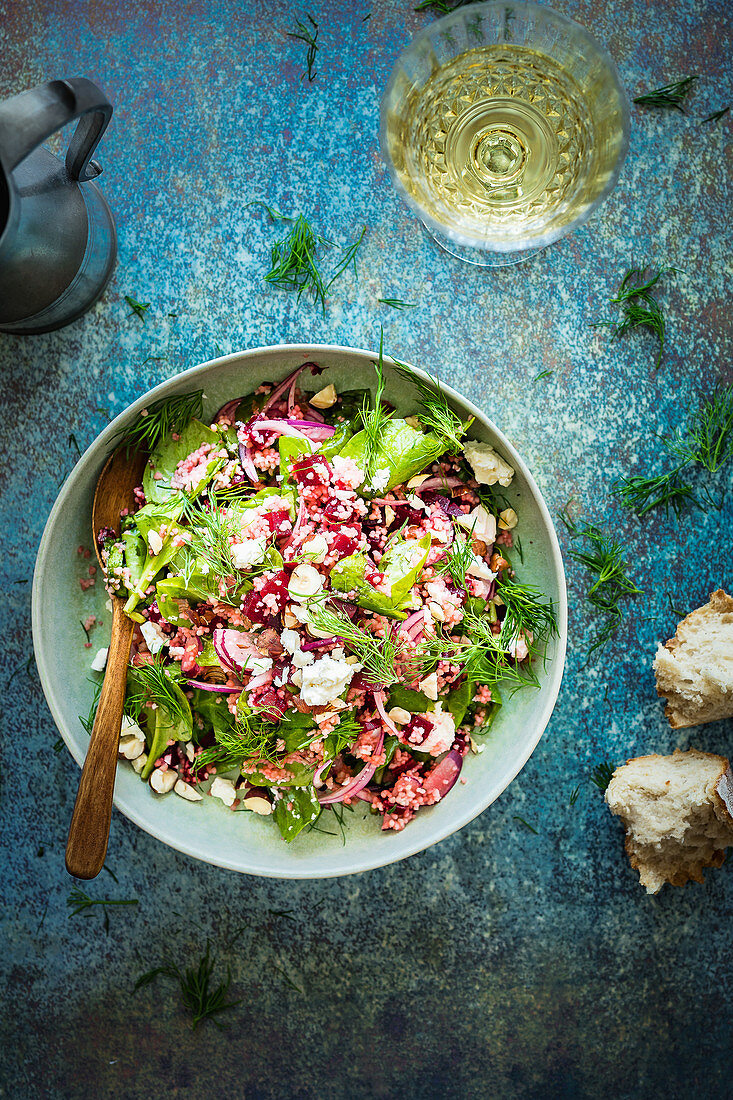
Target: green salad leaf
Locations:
point(166, 457)
point(297, 808)
point(401, 450)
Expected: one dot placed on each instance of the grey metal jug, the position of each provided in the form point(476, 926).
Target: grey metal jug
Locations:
point(57, 235)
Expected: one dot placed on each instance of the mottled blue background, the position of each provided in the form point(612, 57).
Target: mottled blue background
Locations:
point(501, 963)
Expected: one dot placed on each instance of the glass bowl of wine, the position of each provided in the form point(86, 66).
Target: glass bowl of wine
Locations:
point(504, 126)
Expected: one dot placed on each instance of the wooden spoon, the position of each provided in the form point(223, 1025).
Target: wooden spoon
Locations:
point(86, 846)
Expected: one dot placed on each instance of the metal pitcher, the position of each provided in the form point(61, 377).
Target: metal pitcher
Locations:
point(57, 235)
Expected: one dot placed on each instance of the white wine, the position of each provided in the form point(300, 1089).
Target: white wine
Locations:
point(499, 137)
point(506, 144)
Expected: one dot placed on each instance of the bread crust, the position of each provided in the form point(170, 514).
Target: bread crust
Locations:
point(720, 603)
point(722, 797)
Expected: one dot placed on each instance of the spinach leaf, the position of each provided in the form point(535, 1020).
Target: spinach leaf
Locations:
point(213, 709)
point(167, 456)
point(296, 730)
point(305, 809)
point(291, 449)
point(348, 575)
point(407, 698)
point(300, 776)
point(402, 563)
point(402, 450)
point(459, 700)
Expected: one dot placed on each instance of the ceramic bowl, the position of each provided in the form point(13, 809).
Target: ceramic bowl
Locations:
point(207, 830)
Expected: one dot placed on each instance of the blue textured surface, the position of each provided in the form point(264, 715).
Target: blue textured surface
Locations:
point(502, 962)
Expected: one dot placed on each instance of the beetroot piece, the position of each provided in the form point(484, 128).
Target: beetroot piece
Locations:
point(344, 544)
point(311, 470)
point(272, 708)
point(257, 611)
point(416, 730)
point(442, 777)
point(276, 517)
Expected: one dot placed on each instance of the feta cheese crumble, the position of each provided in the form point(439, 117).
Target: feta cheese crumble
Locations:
point(488, 467)
point(248, 553)
point(325, 679)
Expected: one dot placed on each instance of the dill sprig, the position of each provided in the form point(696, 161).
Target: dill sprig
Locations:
point(203, 1001)
point(294, 261)
point(169, 414)
point(397, 303)
point(486, 657)
point(309, 35)
point(437, 416)
point(443, 7)
point(639, 307)
point(210, 530)
point(137, 309)
point(373, 415)
point(348, 259)
point(716, 115)
point(707, 442)
point(274, 215)
point(155, 684)
point(251, 737)
point(458, 558)
point(574, 795)
point(527, 615)
point(80, 902)
point(605, 559)
point(667, 490)
point(709, 439)
point(602, 774)
point(378, 656)
point(526, 824)
point(669, 95)
point(87, 721)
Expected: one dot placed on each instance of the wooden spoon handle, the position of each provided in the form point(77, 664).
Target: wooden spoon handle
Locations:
point(86, 846)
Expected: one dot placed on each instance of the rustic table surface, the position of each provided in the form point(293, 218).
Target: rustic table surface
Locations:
point(506, 961)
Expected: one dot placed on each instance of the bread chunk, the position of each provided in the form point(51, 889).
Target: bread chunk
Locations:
point(678, 815)
point(694, 670)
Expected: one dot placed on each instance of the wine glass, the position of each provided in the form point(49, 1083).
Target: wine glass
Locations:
point(504, 126)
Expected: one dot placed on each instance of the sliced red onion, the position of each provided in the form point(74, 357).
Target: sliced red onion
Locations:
point(204, 686)
point(442, 777)
point(262, 680)
point(318, 644)
point(439, 483)
point(245, 457)
point(357, 784)
point(379, 698)
point(410, 621)
point(285, 384)
point(277, 427)
point(233, 647)
point(319, 771)
point(291, 396)
point(315, 430)
point(315, 414)
point(228, 411)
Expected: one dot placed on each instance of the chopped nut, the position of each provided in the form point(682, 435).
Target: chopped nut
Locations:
point(139, 762)
point(399, 715)
point(325, 398)
point(429, 686)
point(185, 790)
point(316, 549)
point(131, 747)
point(413, 422)
point(224, 790)
point(389, 515)
point(351, 660)
point(163, 781)
point(416, 481)
point(508, 519)
point(436, 611)
point(190, 751)
point(304, 581)
point(256, 803)
point(289, 619)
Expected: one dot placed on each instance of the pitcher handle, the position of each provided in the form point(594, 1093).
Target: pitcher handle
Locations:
point(28, 119)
